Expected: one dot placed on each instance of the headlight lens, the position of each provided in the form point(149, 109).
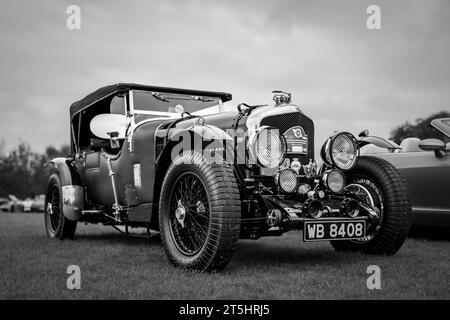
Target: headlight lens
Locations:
point(334, 180)
point(269, 147)
point(341, 151)
point(287, 180)
point(344, 151)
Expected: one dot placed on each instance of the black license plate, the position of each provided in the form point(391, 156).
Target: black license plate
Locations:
point(334, 230)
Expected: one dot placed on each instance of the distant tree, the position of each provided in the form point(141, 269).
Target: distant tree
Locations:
point(52, 152)
point(421, 129)
point(3, 193)
point(40, 173)
point(15, 173)
point(2, 147)
point(22, 171)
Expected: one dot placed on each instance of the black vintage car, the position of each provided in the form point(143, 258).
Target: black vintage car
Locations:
point(173, 160)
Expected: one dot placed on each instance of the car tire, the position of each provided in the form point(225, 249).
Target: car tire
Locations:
point(56, 224)
point(388, 191)
point(214, 215)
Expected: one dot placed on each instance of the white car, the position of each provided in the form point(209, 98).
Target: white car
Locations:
point(27, 205)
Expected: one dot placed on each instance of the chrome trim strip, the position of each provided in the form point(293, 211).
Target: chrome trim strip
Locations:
point(257, 115)
point(157, 113)
point(154, 141)
point(132, 124)
point(430, 210)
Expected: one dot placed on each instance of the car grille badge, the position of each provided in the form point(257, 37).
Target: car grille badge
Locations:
point(310, 169)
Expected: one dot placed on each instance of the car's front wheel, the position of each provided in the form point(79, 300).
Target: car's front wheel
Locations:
point(56, 224)
point(199, 213)
point(378, 183)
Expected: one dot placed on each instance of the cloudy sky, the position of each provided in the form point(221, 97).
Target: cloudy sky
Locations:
point(342, 74)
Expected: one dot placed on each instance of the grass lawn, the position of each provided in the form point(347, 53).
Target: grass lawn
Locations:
point(116, 267)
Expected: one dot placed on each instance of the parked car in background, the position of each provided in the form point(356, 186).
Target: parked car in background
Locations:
point(38, 203)
point(27, 203)
point(4, 205)
point(35, 204)
point(11, 204)
point(426, 166)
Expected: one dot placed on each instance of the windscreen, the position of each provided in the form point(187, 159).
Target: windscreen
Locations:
point(169, 103)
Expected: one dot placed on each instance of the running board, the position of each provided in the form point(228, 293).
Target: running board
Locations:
point(92, 216)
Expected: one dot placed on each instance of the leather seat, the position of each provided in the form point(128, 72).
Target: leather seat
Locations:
point(410, 145)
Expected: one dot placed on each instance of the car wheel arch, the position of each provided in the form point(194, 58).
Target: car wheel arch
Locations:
point(164, 160)
point(69, 177)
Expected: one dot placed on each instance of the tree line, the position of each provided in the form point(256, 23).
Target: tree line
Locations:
point(420, 128)
point(22, 171)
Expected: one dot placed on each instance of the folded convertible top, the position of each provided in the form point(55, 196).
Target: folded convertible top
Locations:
point(108, 90)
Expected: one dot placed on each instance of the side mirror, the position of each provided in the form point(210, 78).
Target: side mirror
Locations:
point(435, 145)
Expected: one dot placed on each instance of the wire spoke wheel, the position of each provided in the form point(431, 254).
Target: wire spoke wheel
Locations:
point(56, 224)
point(54, 209)
point(199, 213)
point(189, 213)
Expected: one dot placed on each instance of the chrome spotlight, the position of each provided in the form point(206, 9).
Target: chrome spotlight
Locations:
point(334, 180)
point(287, 180)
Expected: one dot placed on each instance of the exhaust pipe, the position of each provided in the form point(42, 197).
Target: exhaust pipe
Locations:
point(313, 208)
point(350, 208)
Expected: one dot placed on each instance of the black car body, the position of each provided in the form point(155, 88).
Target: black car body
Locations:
point(173, 160)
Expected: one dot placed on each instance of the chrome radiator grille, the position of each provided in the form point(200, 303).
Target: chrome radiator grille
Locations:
point(288, 120)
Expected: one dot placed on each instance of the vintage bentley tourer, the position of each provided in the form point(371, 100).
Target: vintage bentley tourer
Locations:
point(173, 160)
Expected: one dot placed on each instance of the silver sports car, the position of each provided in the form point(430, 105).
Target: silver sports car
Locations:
point(426, 166)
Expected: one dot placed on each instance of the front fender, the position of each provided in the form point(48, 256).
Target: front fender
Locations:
point(171, 147)
point(379, 142)
point(72, 191)
point(199, 138)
